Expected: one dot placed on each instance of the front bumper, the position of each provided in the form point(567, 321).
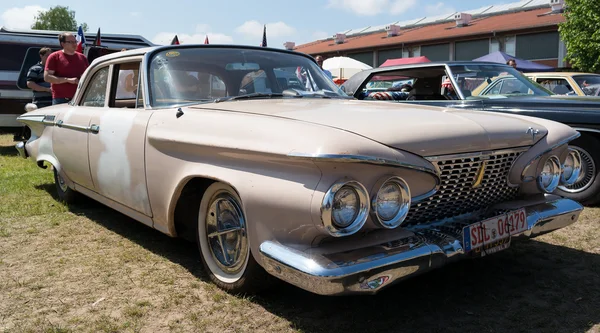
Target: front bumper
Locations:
point(371, 268)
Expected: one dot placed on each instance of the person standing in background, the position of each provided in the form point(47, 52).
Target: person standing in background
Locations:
point(64, 68)
point(319, 60)
point(42, 94)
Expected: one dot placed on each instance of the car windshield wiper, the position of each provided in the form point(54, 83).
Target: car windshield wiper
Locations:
point(248, 96)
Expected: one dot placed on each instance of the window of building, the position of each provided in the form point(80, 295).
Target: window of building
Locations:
point(537, 46)
point(388, 54)
point(410, 52)
point(472, 49)
point(364, 57)
point(505, 44)
point(439, 52)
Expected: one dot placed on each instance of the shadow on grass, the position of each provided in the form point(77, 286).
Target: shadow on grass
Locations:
point(532, 287)
point(8, 151)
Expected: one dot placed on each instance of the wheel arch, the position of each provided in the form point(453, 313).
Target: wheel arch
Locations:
point(186, 202)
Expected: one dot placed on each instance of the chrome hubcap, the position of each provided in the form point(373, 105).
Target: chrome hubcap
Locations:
point(61, 182)
point(587, 176)
point(226, 233)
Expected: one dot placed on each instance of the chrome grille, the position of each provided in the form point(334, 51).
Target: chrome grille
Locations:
point(457, 195)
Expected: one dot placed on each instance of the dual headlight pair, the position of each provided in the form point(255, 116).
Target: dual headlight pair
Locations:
point(346, 205)
point(554, 174)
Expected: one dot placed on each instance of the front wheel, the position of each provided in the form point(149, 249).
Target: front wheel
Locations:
point(223, 242)
point(587, 187)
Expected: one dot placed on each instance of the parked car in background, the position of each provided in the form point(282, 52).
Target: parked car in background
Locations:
point(567, 83)
point(494, 87)
point(293, 179)
point(20, 51)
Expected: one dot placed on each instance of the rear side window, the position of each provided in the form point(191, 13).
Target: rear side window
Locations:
point(95, 94)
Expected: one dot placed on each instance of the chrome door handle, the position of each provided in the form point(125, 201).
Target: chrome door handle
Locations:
point(91, 129)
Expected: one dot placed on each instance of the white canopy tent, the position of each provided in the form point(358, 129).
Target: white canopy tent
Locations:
point(344, 67)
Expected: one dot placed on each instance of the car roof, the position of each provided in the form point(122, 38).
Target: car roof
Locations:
point(562, 74)
point(435, 64)
point(145, 50)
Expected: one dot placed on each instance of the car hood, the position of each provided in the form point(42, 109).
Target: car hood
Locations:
point(422, 130)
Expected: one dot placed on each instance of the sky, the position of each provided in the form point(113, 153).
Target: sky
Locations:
point(233, 21)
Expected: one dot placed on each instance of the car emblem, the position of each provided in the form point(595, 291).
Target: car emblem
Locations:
point(533, 133)
point(480, 174)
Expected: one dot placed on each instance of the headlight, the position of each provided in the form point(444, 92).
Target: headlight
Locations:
point(550, 176)
point(391, 202)
point(571, 168)
point(345, 207)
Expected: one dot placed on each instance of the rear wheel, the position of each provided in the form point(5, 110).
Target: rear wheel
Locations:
point(587, 187)
point(223, 242)
point(65, 193)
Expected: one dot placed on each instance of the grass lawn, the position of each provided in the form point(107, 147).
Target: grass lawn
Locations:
point(87, 268)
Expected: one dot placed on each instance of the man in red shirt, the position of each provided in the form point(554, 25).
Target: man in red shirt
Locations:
point(64, 69)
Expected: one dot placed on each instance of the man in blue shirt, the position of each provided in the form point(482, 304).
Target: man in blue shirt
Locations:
point(319, 60)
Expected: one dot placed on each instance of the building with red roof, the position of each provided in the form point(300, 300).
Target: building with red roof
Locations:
point(526, 29)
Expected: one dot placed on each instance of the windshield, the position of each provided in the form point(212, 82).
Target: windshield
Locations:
point(494, 81)
point(589, 84)
point(193, 75)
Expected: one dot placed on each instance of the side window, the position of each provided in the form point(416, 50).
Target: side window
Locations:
point(557, 86)
point(511, 86)
point(32, 57)
point(496, 88)
point(124, 90)
point(95, 94)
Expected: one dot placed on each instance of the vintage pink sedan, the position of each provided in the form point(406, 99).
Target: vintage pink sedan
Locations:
point(258, 157)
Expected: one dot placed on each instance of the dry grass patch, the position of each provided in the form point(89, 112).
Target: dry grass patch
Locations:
point(87, 268)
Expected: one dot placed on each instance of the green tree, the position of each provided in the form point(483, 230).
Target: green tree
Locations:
point(57, 18)
point(581, 33)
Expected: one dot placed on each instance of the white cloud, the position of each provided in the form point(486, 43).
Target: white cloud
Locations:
point(439, 9)
point(164, 38)
point(254, 29)
point(20, 18)
point(372, 7)
point(135, 14)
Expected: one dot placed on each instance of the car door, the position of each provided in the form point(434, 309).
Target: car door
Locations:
point(116, 152)
point(70, 137)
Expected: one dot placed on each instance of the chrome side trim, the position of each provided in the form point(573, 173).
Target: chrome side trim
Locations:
point(61, 124)
point(361, 159)
point(48, 120)
point(367, 270)
point(537, 157)
point(476, 154)
point(586, 129)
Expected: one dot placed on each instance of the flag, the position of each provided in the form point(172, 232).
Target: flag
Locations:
point(206, 40)
point(264, 41)
point(80, 40)
point(175, 41)
point(98, 41)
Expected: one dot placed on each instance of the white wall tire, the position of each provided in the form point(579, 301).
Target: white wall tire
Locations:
point(223, 242)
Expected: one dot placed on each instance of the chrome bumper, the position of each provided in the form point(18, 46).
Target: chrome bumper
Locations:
point(370, 269)
point(21, 149)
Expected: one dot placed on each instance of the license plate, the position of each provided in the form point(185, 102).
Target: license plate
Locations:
point(493, 235)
